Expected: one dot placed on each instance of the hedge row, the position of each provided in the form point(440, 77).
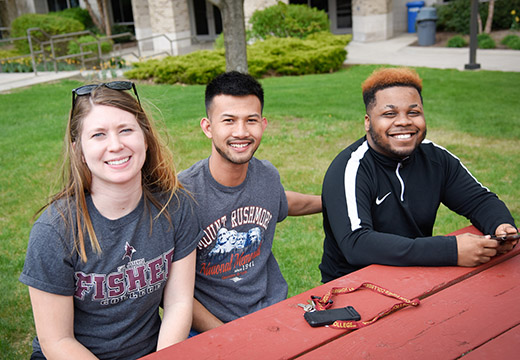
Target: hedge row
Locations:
point(318, 53)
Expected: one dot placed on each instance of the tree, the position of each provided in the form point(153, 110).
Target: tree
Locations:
point(489, 21)
point(233, 24)
point(102, 24)
point(95, 19)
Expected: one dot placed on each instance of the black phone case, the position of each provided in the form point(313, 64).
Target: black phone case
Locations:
point(327, 317)
point(505, 238)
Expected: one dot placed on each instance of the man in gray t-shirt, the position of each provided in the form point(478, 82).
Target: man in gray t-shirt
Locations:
point(240, 199)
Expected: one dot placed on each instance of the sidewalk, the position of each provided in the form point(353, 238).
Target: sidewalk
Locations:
point(395, 51)
point(10, 81)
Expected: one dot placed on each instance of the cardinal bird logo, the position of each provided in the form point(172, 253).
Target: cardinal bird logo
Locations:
point(129, 251)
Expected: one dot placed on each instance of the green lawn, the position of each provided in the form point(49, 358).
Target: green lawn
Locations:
point(476, 115)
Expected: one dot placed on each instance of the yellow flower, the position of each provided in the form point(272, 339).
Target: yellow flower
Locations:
point(517, 19)
point(513, 12)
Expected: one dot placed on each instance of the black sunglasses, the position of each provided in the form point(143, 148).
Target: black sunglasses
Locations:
point(114, 85)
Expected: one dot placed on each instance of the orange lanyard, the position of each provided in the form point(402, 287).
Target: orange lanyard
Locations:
point(325, 302)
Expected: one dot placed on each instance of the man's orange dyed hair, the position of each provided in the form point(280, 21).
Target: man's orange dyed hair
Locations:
point(388, 77)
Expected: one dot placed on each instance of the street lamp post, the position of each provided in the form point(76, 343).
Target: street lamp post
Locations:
point(473, 43)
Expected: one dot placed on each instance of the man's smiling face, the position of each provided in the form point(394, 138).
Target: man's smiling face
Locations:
point(395, 124)
point(235, 126)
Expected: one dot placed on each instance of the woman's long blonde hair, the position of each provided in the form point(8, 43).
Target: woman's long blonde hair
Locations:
point(158, 173)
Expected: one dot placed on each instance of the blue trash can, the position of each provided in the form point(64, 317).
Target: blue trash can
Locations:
point(413, 9)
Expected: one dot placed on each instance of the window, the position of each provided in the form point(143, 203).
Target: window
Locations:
point(339, 11)
point(207, 19)
point(318, 4)
point(344, 14)
point(58, 5)
point(122, 12)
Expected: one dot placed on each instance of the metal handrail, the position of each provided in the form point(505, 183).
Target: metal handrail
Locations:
point(52, 40)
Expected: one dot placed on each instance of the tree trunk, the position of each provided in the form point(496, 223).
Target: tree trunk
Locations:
point(108, 29)
point(95, 19)
point(234, 33)
point(489, 21)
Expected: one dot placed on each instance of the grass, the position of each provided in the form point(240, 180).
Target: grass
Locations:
point(311, 119)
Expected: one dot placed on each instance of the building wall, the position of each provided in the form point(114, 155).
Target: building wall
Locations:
point(11, 9)
point(142, 24)
point(170, 18)
point(372, 20)
point(400, 16)
point(400, 11)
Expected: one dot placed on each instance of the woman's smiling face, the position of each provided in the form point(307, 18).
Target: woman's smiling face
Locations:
point(113, 146)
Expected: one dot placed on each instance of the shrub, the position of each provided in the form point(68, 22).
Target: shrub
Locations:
point(120, 29)
point(502, 17)
point(511, 41)
point(485, 41)
point(514, 43)
point(455, 15)
point(219, 41)
point(79, 14)
point(74, 45)
point(51, 24)
point(292, 56)
point(319, 53)
point(284, 20)
point(457, 41)
point(8, 54)
point(198, 67)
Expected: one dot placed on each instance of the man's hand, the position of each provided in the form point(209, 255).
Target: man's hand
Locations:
point(474, 250)
point(503, 230)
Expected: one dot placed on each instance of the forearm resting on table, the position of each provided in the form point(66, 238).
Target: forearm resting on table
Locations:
point(203, 320)
point(303, 204)
point(175, 325)
point(67, 348)
point(473, 250)
point(178, 302)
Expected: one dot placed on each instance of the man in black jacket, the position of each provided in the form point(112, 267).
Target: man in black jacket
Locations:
point(381, 194)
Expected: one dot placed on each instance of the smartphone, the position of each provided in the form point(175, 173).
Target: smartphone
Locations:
point(327, 317)
point(504, 238)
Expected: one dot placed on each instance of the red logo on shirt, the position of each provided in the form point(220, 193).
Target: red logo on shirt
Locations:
point(129, 251)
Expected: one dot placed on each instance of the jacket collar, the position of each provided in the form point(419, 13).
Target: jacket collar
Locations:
point(387, 161)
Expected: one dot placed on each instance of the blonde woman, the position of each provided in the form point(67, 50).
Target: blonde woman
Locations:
point(116, 241)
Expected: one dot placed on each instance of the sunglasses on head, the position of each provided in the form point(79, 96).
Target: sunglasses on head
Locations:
point(114, 85)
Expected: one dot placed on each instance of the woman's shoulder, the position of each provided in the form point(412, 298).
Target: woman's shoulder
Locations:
point(56, 223)
point(57, 212)
point(178, 199)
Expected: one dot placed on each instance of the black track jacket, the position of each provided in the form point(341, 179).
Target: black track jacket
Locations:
point(378, 210)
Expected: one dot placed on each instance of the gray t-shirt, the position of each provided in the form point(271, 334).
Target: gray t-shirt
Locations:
point(237, 273)
point(117, 293)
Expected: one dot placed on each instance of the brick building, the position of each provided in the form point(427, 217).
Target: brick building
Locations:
point(186, 25)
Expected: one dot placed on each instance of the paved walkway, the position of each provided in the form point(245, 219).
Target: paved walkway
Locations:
point(396, 51)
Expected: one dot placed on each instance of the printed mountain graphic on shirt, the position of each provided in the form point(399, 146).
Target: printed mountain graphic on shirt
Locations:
point(233, 254)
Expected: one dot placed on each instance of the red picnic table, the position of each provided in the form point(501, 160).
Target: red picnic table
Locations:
point(469, 312)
